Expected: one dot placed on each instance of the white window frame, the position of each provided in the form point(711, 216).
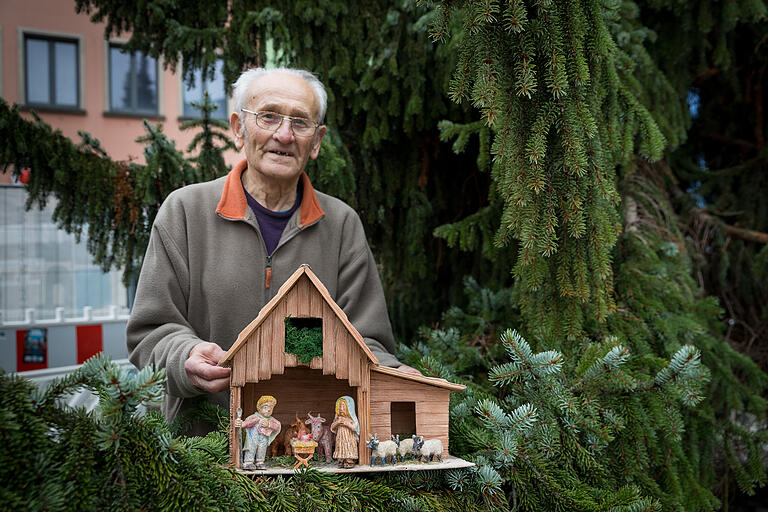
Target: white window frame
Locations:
point(23, 32)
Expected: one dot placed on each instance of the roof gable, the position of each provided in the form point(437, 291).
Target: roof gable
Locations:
point(290, 283)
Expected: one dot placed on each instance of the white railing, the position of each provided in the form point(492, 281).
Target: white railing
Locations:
point(43, 377)
point(30, 318)
point(85, 398)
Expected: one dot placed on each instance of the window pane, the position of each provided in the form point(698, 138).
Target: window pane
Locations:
point(193, 92)
point(42, 267)
point(146, 83)
point(38, 75)
point(65, 62)
point(215, 88)
point(119, 79)
point(132, 81)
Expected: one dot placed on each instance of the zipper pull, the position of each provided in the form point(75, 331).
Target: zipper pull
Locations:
point(268, 272)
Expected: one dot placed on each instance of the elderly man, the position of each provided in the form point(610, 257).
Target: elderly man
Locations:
point(219, 251)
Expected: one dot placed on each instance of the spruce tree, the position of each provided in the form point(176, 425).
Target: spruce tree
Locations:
point(114, 457)
point(521, 136)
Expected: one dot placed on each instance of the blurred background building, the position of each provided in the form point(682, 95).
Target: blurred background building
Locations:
point(56, 307)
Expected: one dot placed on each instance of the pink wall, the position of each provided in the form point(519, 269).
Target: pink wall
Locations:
point(116, 134)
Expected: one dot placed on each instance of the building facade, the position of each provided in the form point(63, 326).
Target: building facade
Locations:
point(59, 63)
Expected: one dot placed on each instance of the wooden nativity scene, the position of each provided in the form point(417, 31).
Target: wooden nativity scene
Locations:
point(326, 401)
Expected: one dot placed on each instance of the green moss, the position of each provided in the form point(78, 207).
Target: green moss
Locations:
point(304, 338)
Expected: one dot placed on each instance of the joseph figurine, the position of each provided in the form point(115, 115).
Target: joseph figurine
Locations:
point(261, 429)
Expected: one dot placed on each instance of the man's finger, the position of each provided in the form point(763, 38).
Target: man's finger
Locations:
point(210, 386)
point(208, 351)
point(208, 371)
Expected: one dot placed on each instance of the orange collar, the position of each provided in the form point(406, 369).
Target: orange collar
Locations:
point(233, 204)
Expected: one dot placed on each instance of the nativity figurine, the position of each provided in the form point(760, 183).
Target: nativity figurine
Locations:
point(261, 429)
point(347, 430)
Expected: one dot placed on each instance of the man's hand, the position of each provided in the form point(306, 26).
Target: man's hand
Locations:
point(408, 369)
point(203, 370)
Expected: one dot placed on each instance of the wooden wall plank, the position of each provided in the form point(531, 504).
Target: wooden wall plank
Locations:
point(355, 362)
point(265, 350)
point(252, 356)
point(302, 287)
point(239, 364)
point(329, 340)
point(316, 302)
point(363, 416)
point(428, 420)
point(291, 303)
point(278, 338)
point(380, 407)
point(290, 360)
point(342, 351)
point(234, 437)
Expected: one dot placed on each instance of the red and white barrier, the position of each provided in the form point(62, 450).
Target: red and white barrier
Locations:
point(60, 342)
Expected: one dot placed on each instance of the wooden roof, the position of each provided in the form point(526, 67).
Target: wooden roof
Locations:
point(432, 381)
point(303, 270)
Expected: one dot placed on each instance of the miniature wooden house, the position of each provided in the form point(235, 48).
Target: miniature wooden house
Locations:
point(387, 400)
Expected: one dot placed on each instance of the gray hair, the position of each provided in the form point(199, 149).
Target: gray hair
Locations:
point(240, 87)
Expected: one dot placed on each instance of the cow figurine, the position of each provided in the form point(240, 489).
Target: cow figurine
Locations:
point(322, 435)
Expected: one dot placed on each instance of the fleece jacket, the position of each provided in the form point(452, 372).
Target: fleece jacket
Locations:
point(206, 275)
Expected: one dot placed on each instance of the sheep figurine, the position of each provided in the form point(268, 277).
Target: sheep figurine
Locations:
point(381, 449)
point(404, 447)
point(428, 449)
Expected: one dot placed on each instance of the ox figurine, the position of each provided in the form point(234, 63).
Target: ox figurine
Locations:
point(321, 434)
point(295, 431)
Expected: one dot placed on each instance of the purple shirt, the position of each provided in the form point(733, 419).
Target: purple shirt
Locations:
point(272, 223)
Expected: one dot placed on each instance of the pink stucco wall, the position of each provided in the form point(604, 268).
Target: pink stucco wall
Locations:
point(117, 134)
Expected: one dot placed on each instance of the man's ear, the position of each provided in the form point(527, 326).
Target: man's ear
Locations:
point(318, 139)
point(238, 133)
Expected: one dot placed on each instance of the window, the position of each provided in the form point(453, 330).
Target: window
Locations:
point(132, 82)
point(43, 267)
point(51, 72)
point(200, 83)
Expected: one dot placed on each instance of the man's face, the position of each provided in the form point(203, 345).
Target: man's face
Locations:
point(277, 155)
point(266, 409)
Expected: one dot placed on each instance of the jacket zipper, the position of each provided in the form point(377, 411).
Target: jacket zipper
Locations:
point(268, 272)
point(268, 262)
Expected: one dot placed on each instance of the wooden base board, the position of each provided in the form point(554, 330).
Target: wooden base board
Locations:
point(449, 462)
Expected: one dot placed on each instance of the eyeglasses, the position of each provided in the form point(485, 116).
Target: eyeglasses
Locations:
point(300, 126)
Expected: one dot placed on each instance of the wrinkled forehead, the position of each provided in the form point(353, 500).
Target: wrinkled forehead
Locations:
point(284, 93)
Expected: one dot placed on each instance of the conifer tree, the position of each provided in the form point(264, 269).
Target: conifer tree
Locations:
point(617, 414)
point(115, 458)
point(616, 391)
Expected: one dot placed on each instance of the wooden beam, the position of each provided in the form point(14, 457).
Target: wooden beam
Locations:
point(235, 401)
